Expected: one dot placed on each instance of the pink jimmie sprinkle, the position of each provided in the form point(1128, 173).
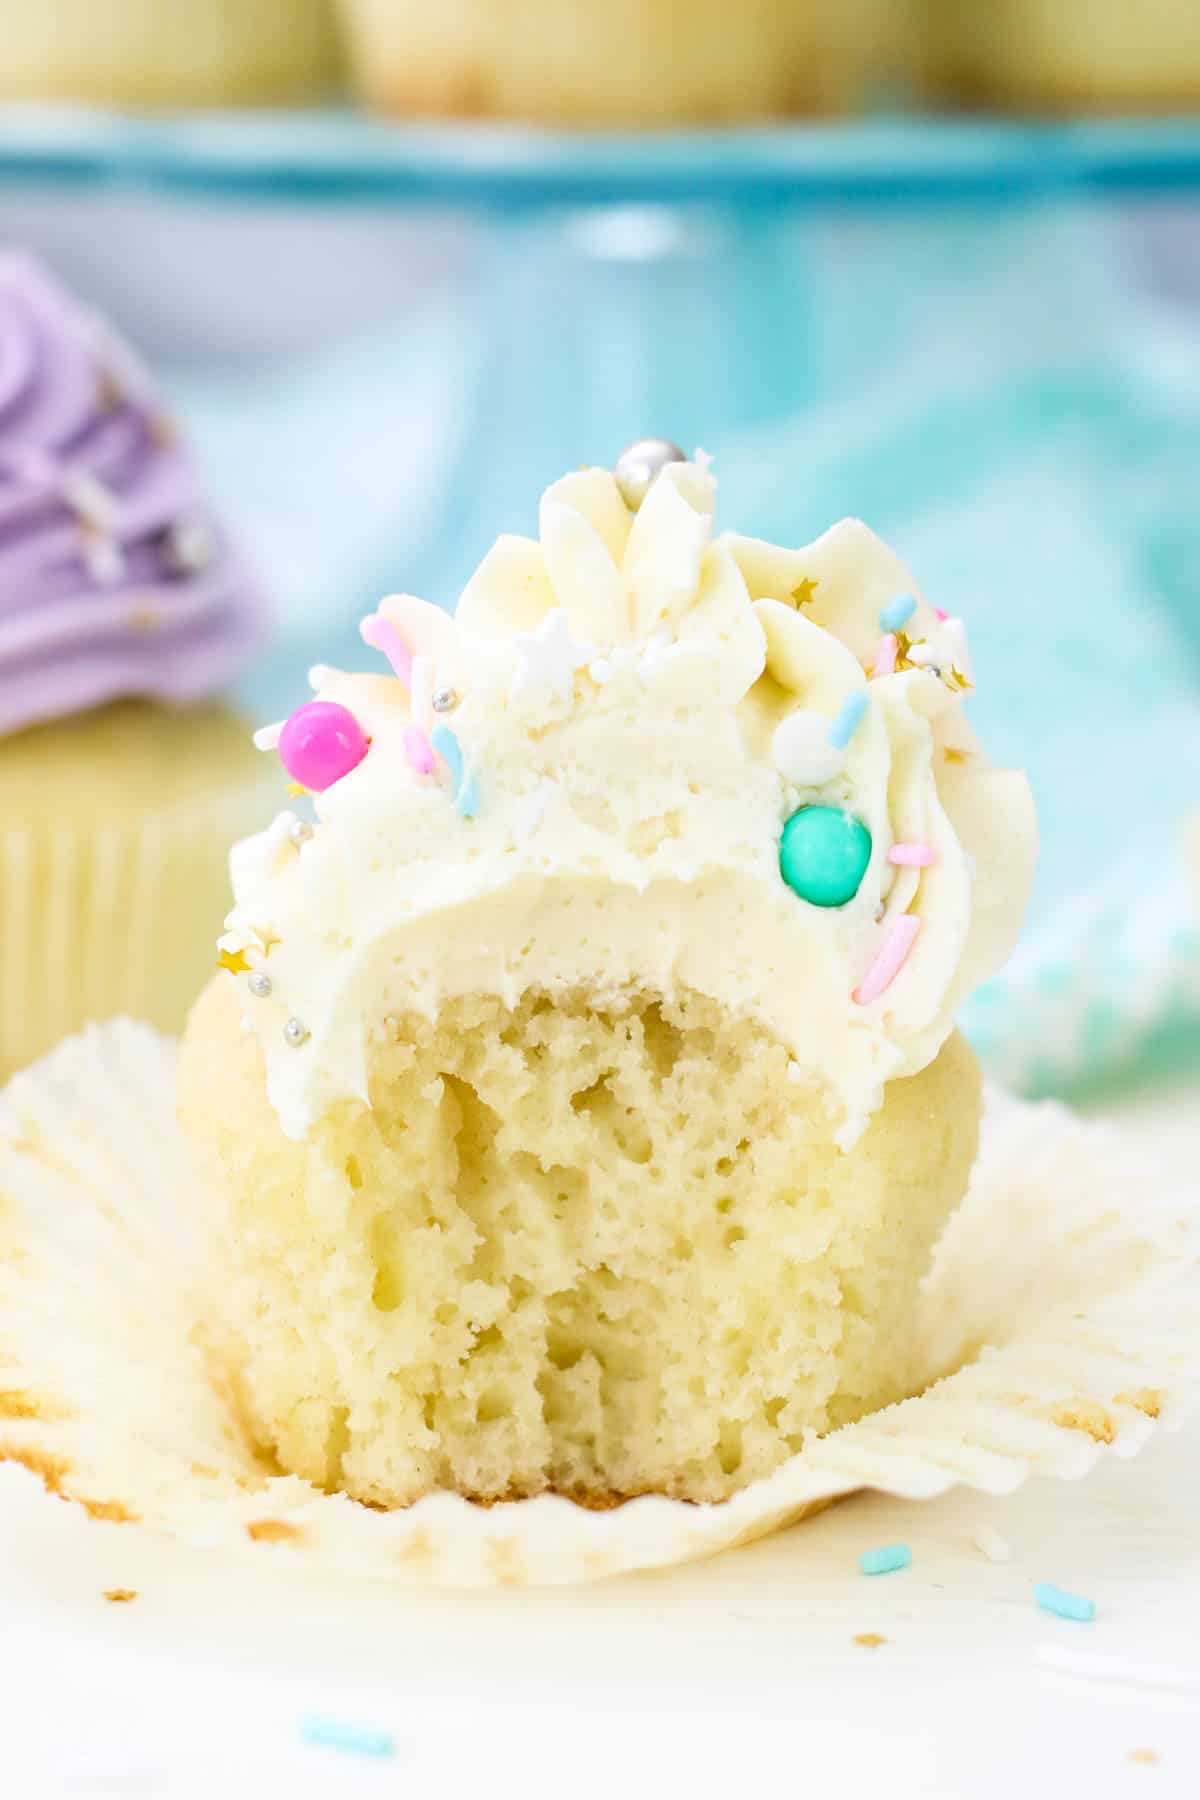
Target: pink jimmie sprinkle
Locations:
point(885, 656)
point(938, 613)
point(912, 856)
point(888, 964)
point(385, 638)
point(419, 750)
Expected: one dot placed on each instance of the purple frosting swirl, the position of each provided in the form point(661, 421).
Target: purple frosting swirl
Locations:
point(115, 578)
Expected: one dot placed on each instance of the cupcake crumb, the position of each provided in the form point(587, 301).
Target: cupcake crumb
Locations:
point(272, 1531)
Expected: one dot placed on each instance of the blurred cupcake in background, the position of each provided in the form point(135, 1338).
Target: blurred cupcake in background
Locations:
point(168, 52)
point(122, 605)
point(623, 62)
point(1065, 55)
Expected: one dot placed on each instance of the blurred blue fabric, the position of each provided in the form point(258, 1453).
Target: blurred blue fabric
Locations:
point(1009, 401)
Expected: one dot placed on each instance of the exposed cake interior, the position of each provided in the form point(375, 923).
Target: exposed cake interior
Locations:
point(598, 1246)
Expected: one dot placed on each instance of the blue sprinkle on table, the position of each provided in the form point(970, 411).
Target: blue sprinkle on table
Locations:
point(1056, 1600)
point(885, 1560)
point(340, 1734)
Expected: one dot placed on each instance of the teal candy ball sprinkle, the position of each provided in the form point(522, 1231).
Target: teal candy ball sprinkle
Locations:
point(823, 854)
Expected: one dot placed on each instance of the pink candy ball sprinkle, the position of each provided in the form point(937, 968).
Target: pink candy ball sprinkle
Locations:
point(320, 743)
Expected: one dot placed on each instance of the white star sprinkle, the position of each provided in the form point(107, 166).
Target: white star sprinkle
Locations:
point(548, 659)
point(944, 647)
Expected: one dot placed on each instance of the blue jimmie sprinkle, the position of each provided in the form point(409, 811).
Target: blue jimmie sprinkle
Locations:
point(338, 1734)
point(1056, 1600)
point(848, 720)
point(897, 612)
point(883, 1562)
point(466, 793)
point(467, 797)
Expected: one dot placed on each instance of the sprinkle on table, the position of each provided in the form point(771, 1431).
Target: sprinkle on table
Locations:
point(1063, 1605)
point(341, 1734)
point(848, 718)
point(885, 1560)
point(870, 1640)
point(120, 1596)
point(897, 612)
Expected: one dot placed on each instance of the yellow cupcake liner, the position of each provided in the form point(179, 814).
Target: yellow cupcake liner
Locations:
point(114, 914)
point(1065, 1301)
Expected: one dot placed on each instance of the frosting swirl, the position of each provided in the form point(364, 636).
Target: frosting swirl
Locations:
point(115, 579)
point(629, 731)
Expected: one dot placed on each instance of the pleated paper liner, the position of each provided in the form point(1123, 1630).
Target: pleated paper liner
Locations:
point(115, 911)
point(1065, 1299)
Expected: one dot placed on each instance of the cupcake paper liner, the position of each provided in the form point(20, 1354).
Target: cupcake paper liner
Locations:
point(114, 915)
point(1060, 1322)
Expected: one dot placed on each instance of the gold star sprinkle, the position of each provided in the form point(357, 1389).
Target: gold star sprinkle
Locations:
point(145, 618)
point(803, 592)
point(234, 961)
point(904, 646)
point(870, 1640)
point(120, 1595)
point(295, 789)
point(953, 755)
point(958, 681)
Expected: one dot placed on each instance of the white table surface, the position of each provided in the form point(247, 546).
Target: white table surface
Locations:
point(738, 1675)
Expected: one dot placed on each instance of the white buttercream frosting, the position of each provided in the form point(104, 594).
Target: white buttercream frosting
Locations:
point(621, 691)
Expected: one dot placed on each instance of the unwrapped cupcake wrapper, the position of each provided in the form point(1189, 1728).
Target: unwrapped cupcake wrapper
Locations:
point(1060, 1321)
point(113, 915)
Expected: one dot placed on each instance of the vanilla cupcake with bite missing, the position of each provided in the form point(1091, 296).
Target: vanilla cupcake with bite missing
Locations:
point(584, 1098)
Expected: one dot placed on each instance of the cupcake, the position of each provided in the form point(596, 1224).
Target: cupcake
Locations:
point(627, 62)
point(122, 606)
point(169, 52)
point(581, 1093)
point(1065, 55)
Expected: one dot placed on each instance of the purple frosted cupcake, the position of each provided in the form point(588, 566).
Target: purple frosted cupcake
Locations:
point(122, 605)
